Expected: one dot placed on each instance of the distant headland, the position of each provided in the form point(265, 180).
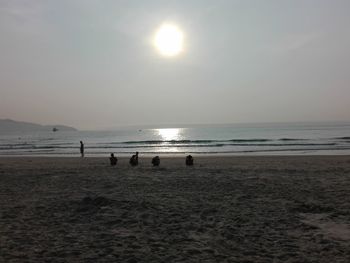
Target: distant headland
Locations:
point(7, 125)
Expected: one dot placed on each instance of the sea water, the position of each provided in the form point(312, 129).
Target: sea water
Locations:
point(234, 139)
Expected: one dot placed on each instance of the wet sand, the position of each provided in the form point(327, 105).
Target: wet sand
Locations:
point(224, 209)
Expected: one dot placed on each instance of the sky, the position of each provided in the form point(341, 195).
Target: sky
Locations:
point(91, 64)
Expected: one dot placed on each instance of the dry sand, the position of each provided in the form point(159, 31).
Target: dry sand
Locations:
point(224, 209)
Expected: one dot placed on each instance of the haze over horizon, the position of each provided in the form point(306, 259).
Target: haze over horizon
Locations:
point(92, 65)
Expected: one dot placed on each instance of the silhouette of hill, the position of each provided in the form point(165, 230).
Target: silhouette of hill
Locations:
point(7, 125)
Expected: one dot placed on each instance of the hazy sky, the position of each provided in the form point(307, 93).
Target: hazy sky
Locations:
point(91, 64)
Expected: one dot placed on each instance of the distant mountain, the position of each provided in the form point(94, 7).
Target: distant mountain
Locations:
point(8, 125)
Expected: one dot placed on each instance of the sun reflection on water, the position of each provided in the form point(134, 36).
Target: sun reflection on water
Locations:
point(169, 134)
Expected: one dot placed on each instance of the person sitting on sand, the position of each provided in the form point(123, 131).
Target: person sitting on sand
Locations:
point(189, 160)
point(113, 159)
point(156, 161)
point(134, 160)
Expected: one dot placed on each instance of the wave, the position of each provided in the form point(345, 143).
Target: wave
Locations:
point(220, 145)
point(343, 138)
point(28, 146)
point(206, 141)
point(160, 146)
point(144, 143)
point(291, 139)
point(104, 153)
point(249, 140)
point(169, 141)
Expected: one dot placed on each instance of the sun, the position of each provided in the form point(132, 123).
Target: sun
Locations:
point(168, 40)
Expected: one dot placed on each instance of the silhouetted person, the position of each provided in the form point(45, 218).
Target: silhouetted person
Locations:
point(82, 148)
point(134, 160)
point(113, 159)
point(189, 160)
point(156, 161)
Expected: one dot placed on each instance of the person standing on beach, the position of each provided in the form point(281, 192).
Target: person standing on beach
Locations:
point(82, 148)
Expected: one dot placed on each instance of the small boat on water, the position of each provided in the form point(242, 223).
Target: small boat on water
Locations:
point(54, 129)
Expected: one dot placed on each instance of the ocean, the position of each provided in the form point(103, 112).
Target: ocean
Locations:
point(233, 139)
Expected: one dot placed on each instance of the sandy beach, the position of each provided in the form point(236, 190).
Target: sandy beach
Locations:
point(223, 209)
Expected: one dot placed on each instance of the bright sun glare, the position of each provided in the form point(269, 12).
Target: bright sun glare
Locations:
point(169, 40)
point(169, 134)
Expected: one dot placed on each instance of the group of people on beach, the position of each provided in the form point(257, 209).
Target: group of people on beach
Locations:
point(134, 160)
